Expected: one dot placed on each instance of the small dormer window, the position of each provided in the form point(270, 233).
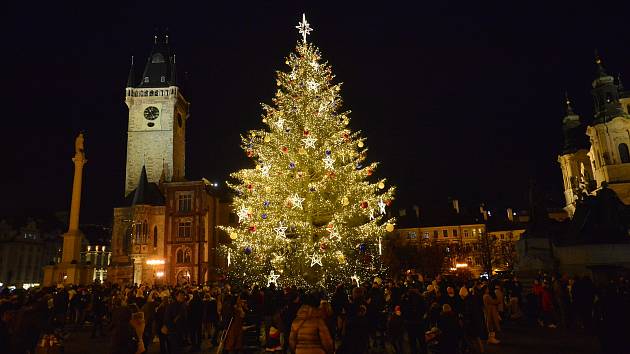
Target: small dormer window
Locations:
point(146, 79)
point(162, 78)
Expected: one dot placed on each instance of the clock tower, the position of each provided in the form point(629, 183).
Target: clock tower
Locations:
point(157, 120)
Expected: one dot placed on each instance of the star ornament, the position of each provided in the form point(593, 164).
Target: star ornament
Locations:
point(280, 123)
point(381, 206)
point(355, 278)
point(280, 230)
point(265, 170)
point(304, 28)
point(333, 234)
point(243, 214)
point(309, 142)
point(328, 162)
point(296, 201)
point(316, 259)
point(272, 278)
point(312, 85)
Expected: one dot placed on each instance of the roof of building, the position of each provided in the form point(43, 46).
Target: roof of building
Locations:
point(146, 193)
point(160, 69)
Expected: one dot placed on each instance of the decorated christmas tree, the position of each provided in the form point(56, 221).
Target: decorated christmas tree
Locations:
point(310, 213)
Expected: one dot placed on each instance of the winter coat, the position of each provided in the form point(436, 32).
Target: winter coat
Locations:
point(547, 300)
point(309, 334)
point(474, 320)
point(491, 311)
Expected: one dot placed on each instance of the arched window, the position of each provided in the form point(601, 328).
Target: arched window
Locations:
point(145, 232)
point(180, 256)
point(138, 235)
point(624, 154)
point(155, 236)
point(187, 256)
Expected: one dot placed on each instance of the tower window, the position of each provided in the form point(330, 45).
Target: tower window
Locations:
point(624, 154)
point(146, 79)
point(162, 79)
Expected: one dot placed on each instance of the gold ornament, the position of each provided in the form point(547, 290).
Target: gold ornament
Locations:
point(233, 235)
point(345, 201)
point(389, 227)
point(360, 144)
point(302, 151)
point(381, 185)
point(267, 138)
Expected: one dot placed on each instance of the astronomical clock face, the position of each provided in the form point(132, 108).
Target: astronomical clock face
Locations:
point(151, 113)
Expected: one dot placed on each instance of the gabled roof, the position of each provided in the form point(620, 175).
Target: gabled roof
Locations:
point(159, 71)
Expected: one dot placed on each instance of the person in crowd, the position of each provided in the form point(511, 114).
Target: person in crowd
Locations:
point(149, 309)
point(547, 306)
point(491, 312)
point(234, 336)
point(450, 331)
point(175, 323)
point(127, 336)
point(414, 312)
point(195, 319)
point(395, 330)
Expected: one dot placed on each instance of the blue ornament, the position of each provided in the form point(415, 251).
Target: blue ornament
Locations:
point(292, 165)
point(359, 166)
point(248, 250)
point(362, 247)
point(250, 145)
point(266, 203)
point(328, 152)
point(264, 216)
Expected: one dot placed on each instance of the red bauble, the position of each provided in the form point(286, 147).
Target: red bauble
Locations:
point(252, 228)
point(388, 202)
point(323, 246)
point(285, 149)
point(346, 136)
point(369, 172)
point(306, 132)
point(364, 204)
point(330, 174)
point(250, 187)
point(250, 153)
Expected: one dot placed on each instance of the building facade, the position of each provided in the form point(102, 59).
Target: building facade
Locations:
point(165, 230)
point(24, 251)
point(596, 150)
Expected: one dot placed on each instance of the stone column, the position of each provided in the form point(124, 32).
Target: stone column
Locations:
point(72, 238)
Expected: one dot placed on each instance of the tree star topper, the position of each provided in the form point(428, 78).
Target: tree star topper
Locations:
point(316, 259)
point(304, 28)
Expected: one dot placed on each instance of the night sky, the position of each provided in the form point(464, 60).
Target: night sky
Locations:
point(456, 99)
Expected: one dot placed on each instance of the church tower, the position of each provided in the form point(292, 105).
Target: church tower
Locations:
point(577, 173)
point(157, 120)
point(609, 134)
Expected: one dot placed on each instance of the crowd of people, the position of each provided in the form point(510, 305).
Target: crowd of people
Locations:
point(416, 315)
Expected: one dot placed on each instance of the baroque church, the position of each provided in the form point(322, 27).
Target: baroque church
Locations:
point(165, 230)
point(596, 151)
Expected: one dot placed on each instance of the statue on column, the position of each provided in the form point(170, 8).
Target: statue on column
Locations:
point(78, 144)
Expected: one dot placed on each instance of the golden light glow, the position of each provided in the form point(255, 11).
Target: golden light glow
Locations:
point(316, 193)
point(461, 265)
point(159, 274)
point(155, 261)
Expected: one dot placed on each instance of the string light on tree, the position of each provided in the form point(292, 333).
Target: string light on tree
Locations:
point(307, 202)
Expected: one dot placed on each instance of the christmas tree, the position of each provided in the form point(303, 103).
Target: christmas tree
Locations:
point(310, 213)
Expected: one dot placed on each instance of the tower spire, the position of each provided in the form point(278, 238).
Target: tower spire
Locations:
point(130, 77)
point(569, 109)
point(600, 70)
point(173, 72)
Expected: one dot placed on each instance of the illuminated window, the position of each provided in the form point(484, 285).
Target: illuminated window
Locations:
point(445, 233)
point(187, 256)
point(454, 232)
point(146, 79)
point(184, 229)
point(502, 236)
point(162, 79)
point(466, 233)
point(155, 236)
point(184, 203)
point(426, 235)
point(411, 235)
point(624, 154)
